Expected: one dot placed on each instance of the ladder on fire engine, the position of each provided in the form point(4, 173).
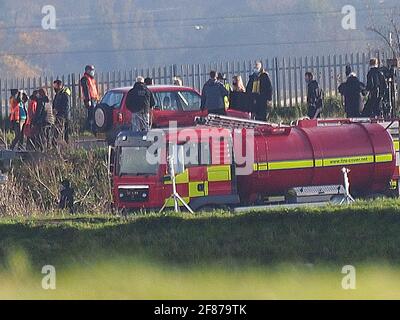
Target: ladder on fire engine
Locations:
point(214, 120)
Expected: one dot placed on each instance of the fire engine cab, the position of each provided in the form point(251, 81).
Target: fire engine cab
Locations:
point(230, 162)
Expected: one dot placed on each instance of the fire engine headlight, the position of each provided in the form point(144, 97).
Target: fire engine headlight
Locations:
point(144, 195)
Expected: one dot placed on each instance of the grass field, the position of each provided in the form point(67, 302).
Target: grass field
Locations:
point(295, 254)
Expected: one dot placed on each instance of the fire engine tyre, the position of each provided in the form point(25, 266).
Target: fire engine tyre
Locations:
point(103, 118)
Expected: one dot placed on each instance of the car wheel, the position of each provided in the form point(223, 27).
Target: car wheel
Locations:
point(103, 118)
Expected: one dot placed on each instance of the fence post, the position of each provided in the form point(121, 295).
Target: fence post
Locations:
point(278, 96)
point(290, 82)
point(301, 72)
point(284, 82)
point(71, 78)
point(1, 102)
point(323, 73)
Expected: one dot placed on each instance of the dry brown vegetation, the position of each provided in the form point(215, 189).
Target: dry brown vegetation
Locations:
point(33, 187)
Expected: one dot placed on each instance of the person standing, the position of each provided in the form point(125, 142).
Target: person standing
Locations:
point(376, 88)
point(352, 91)
point(213, 95)
point(314, 97)
point(259, 89)
point(140, 101)
point(222, 78)
point(31, 131)
point(66, 196)
point(238, 97)
point(149, 81)
point(14, 112)
point(61, 109)
point(177, 81)
point(43, 119)
point(90, 95)
point(19, 116)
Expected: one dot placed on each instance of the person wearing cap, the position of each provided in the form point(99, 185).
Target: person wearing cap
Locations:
point(352, 91)
point(140, 101)
point(376, 88)
point(222, 78)
point(90, 95)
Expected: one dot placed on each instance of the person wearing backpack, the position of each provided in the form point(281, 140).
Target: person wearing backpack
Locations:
point(376, 88)
point(140, 101)
point(315, 97)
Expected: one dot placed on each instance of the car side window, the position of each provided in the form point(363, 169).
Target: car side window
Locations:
point(113, 99)
point(190, 101)
point(167, 101)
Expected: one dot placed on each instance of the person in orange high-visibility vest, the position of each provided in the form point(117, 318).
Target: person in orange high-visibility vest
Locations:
point(14, 107)
point(90, 95)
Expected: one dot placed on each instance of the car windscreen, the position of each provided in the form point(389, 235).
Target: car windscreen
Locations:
point(177, 100)
point(136, 161)
point(113, 99)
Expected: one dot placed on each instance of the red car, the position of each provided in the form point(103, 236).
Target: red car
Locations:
point(173, 103)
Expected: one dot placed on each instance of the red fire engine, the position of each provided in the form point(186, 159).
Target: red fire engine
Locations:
point(310, 153)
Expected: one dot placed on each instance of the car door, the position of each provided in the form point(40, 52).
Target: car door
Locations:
point(166, 109)
point(190, 105)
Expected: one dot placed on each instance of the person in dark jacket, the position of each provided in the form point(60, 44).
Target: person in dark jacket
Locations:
point(66, 196)
point(314, 97)
point(140, 101)
point(61, 109)
point(213, 95)
point(260, 92)
point(376, 88)
point(43, 119)
point(149, 81)
point(238, 99)
point(352, 91)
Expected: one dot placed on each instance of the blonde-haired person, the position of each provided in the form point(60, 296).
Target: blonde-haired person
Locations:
point(238, 99)
point(177, 81)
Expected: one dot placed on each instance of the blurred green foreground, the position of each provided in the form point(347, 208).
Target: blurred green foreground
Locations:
point(296, 254)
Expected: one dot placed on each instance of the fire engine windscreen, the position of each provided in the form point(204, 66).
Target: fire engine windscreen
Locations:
point(134, 161)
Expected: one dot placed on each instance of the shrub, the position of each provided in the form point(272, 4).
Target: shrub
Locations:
point(333, 108)
point(33, 186)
